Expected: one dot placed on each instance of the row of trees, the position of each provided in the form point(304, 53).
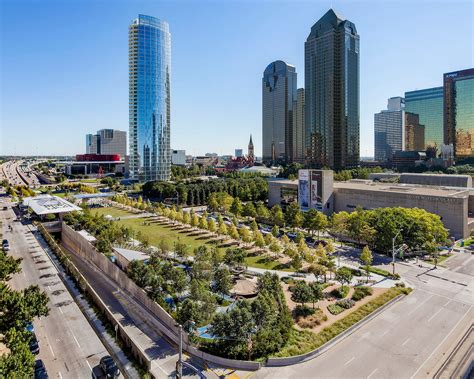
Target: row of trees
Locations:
point(197, 192)
point(17, 309)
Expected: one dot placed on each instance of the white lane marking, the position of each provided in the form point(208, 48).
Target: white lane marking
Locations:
point(439, 310)
point(75, 339)
point(59, 373)
point(88, 364)
point(349, 361)
point(441, 343)
point(445, 297)
point(60, 310)
point(419, 305)
point(406, 341)
point(372, 373)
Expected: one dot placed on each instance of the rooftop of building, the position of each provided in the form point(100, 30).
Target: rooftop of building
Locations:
point(414, 189)
point(131, 255)
point(49, 204)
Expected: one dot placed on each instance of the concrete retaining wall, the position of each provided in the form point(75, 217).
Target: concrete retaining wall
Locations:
point(75, 242)
point(286, 361)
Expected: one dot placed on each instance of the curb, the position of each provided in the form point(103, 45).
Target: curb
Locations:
point(288, 361)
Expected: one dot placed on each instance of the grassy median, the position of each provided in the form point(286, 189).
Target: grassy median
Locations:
point(304, 341)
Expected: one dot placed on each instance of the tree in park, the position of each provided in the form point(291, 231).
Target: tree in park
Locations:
point(284, 240)
point(344, 276)
point(235, 257)
point(293, 215)
point(262, 211)
point(194, 220)
point(297, 262)
point(212, 226)
point(330, 247)
point(236, 207)
point(315, 221)
point(245, 234)
point(321, 251)
point(366, 257)
point(268, 239)
point(203, 224)
point(249, 210)
point(180, 249)
point(222, 228)
point(277, 216)
point(275, 246)
point(299, 237)
point(290, 251)
point(275, 231)
point(258, 238)
point(186, 218)
point(254, 226)
point(212, 202)
point(164, 247)
point(318, 271)
point(300, 292)
point(233, 232)
point(316, 292)
point(339, 223)
point(302, 248)
point(222, 281)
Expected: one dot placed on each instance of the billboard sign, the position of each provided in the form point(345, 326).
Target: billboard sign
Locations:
point(303, 189)
point(316, 191)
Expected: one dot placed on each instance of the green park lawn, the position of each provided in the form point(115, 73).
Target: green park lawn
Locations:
point(156, 233)
point(112, 211)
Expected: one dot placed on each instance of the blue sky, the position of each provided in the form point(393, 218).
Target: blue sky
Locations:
point(64, 64)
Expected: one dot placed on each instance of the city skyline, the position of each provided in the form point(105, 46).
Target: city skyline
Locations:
point(31, 86)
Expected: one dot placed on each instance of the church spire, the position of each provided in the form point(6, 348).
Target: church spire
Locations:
point(250, 154)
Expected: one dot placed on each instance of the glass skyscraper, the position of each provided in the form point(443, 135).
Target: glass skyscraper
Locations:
point(428, 105)
point(278, 95)
point(389, 130)
point(332, 93)
point(149, 99)
point(459, 112)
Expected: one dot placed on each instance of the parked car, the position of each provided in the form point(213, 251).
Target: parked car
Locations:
point(30, 328)
point(5, 245)
point(108, 366)
point(40, 370)
point(34, 345)
point(5, 208)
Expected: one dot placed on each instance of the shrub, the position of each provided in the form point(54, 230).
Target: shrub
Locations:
point(356, 272)
point(345, 303)
point(335, 309)
point(361, 292)
point(340, 292)
point(288, 280)
point(314, 320)
point(303, 311)
point(385, 273)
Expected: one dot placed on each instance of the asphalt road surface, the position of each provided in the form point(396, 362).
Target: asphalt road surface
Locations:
point(69, 346)
point(405, 341)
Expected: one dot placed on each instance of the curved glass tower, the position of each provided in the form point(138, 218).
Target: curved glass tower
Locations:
point(149, 99)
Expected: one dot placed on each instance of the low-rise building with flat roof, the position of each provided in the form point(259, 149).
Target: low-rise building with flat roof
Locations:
point(455, 205)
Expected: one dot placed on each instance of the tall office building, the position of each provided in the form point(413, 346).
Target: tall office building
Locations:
point(149, 99)
point(459, 112)
point(278, 94)
point(414, 133)
point(428, 105)
point(298, 127)
point(389, 130)
point(332, 93)
point(107, 142)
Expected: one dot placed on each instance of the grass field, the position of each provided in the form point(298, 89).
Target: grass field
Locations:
point(263, 262)
point(156, 233)
point(114, 212)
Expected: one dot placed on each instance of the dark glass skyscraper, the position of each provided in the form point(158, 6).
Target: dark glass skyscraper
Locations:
point(459, 112)
point(149, 99)
point(332, 93)
point(278, 95)
point(428, 105)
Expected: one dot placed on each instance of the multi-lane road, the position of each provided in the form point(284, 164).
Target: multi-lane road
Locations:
point(17, 175)
point(69, 346)
point(409, 339)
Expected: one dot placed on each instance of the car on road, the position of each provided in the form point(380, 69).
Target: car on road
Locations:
point(40, 370)
point(108, 366)
point(34, 345)
point(5, 245)
point(5, 208)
